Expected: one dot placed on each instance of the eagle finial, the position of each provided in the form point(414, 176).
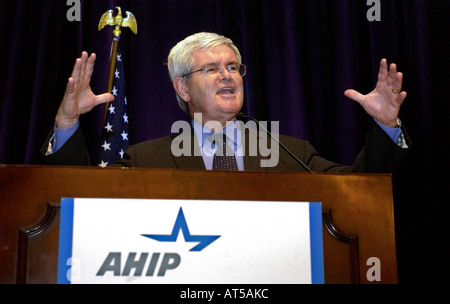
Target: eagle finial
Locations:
point(118, 21)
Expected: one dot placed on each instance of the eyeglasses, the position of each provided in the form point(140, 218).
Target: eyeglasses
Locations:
point(217, 69)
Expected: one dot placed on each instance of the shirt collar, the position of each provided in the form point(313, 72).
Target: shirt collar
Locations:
point(232, 131)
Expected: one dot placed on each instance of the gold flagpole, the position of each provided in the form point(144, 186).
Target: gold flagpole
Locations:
point(118, 21)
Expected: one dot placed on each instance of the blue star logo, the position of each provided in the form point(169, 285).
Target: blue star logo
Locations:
point(180, 224)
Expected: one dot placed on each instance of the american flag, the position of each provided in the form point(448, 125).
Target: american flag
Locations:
point(115, 132)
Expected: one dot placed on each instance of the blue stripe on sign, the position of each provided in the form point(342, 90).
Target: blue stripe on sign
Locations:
point(315, 228)
point(65, 239)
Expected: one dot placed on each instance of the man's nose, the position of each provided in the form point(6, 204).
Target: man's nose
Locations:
point(225, 74)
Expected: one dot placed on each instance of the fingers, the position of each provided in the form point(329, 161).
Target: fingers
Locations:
point(84, 57)
point(84, 67)
point(104, 98)
point(400, 98)
point(394, 77)
point(355, 95)
point(396, 81)
point(383, 70)
point(70, 88)
point(391, 76)
point(76, 70)
point(90, 65)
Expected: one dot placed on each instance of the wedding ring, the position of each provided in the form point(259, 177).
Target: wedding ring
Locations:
point(395, 91)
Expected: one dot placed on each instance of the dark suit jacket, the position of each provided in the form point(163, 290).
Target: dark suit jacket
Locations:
point(379, 155)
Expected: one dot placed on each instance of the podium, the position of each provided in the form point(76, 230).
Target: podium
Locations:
point(357, 212)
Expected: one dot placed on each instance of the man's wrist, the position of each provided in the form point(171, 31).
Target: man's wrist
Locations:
point(395, 124)
point(65, 124)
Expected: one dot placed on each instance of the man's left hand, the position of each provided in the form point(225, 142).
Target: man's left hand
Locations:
point(384, 102)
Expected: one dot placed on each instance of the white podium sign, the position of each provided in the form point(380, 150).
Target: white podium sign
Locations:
point(189, 241)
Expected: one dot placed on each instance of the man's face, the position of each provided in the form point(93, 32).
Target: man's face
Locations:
point(217, 97)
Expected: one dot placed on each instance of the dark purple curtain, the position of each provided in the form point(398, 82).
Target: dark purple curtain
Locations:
point(301, 57)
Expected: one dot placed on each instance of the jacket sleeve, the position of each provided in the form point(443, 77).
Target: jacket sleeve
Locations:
point(72, 153)
point(380, 153)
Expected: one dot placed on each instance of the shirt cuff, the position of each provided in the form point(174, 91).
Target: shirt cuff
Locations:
point(394, 133)
point(63, 135)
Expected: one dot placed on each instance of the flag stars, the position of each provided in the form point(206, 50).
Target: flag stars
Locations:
point(108, 127)
point(114, 91)
point(106, 146)
point(111, 109)
point(124, 135)
point(125, 118)
point(121, 153)
point(103, 164)
point(116, 74)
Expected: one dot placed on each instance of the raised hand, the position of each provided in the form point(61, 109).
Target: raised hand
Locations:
point(79, 98)
point(384, 102)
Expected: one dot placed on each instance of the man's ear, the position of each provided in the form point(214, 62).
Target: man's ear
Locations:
point(181, 88)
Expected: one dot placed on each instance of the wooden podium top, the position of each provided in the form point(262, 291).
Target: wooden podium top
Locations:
point(358, 213)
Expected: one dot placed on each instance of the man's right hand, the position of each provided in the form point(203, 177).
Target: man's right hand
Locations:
point(79, 98)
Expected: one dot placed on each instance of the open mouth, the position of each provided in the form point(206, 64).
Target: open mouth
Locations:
point(226, 91)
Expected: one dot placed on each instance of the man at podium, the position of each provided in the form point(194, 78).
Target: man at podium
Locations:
point(207, 75)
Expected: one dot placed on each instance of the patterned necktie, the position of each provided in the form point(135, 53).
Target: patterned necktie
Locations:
point(224, 158)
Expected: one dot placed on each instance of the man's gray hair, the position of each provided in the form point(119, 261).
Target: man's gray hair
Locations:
point(181, 60)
